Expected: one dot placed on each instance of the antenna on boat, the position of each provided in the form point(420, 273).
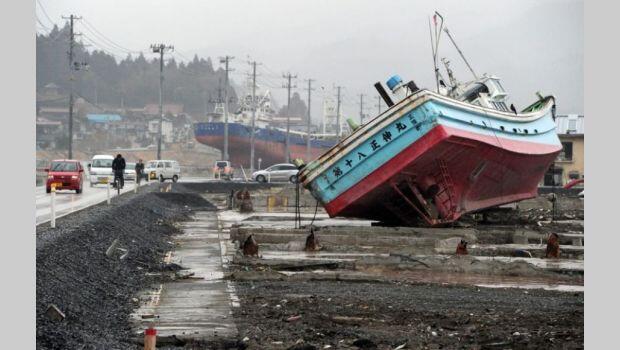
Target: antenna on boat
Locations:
point(446, 63)
point(460, 53)
point(435, 45)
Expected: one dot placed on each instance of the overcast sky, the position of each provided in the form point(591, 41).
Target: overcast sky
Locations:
point(533, 45)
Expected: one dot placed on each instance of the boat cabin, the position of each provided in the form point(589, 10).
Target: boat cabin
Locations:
point(486, 92)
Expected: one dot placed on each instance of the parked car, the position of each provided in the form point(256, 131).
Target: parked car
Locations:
point(163, 170)
point(100, 169)
point(222, 169)
point(277, 173)
point(130, 172)
point(66, 174)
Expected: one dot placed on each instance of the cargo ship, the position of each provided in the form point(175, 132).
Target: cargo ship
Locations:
point(270, 134)
point(433, 156)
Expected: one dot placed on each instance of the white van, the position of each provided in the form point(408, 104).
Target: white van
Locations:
point(100, 169)
point(162, 170)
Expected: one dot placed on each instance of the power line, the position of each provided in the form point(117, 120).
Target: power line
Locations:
point(45, 13)
point(91, 28)
point(41, 23)
point(101, 47)
point(184, 56)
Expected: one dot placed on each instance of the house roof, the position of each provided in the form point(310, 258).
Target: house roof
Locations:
point(569, 124)
point(103, 118)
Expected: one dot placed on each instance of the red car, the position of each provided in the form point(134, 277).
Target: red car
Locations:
point(67, 174)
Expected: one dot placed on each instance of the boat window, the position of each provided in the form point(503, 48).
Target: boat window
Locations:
point(502, 127)
point(501, 88)
point(536, 131)
point(472, 93)
point(514, 130)
point(525, 130)
point(494, 84)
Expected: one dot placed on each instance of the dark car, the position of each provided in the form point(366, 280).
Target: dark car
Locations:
point(67, 174)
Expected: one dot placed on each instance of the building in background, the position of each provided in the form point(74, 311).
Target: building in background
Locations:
point(570, 162)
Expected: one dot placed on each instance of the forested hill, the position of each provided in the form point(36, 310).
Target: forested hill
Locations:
point(132, 81)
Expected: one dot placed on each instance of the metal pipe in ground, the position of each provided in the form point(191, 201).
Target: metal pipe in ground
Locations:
point(53, 207)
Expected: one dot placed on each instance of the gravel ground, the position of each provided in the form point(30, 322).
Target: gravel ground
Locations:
point(95, 292)
point(347, 315)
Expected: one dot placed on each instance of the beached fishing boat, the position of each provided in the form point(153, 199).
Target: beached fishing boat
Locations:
point(434, 156)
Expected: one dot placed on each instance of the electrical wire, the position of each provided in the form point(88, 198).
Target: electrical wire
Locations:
point(45, 13)
point(41, 24)
point(100, 47)
point(91, 28)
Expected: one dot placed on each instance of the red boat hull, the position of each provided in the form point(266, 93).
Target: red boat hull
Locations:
point(444, 174)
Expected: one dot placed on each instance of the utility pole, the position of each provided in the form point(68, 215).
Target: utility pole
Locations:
point(288, 86)
point(226, 60)
point(161, 49)
point(254, 106)
point(73, 66)
point(309, 88)
point(378, 105)
point(338, 112)
point(361, 109)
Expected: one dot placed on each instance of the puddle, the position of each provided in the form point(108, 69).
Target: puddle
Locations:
point(556, 287)
point(559, 264)
point(451, 278)
point(331, 256)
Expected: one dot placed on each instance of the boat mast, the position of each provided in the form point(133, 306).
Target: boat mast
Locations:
point(460, 53)
point(435, 47)
point(430, 31)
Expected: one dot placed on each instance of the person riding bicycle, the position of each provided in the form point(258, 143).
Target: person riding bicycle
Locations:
point(139, 170)
point(118, 166)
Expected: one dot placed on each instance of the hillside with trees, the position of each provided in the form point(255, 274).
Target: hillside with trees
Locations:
point(130, 82)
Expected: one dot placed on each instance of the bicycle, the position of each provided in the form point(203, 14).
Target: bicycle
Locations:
point(117, 183)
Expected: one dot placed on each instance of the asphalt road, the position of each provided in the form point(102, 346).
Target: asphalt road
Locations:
point(68, 201)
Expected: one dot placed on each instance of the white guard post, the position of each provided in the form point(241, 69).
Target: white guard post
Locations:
point(53, 206)
point(107, 184)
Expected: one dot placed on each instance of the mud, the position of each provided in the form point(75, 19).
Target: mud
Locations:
point(422, 316)
point(96, 292)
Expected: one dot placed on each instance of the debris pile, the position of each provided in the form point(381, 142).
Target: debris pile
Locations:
point(96, 261)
